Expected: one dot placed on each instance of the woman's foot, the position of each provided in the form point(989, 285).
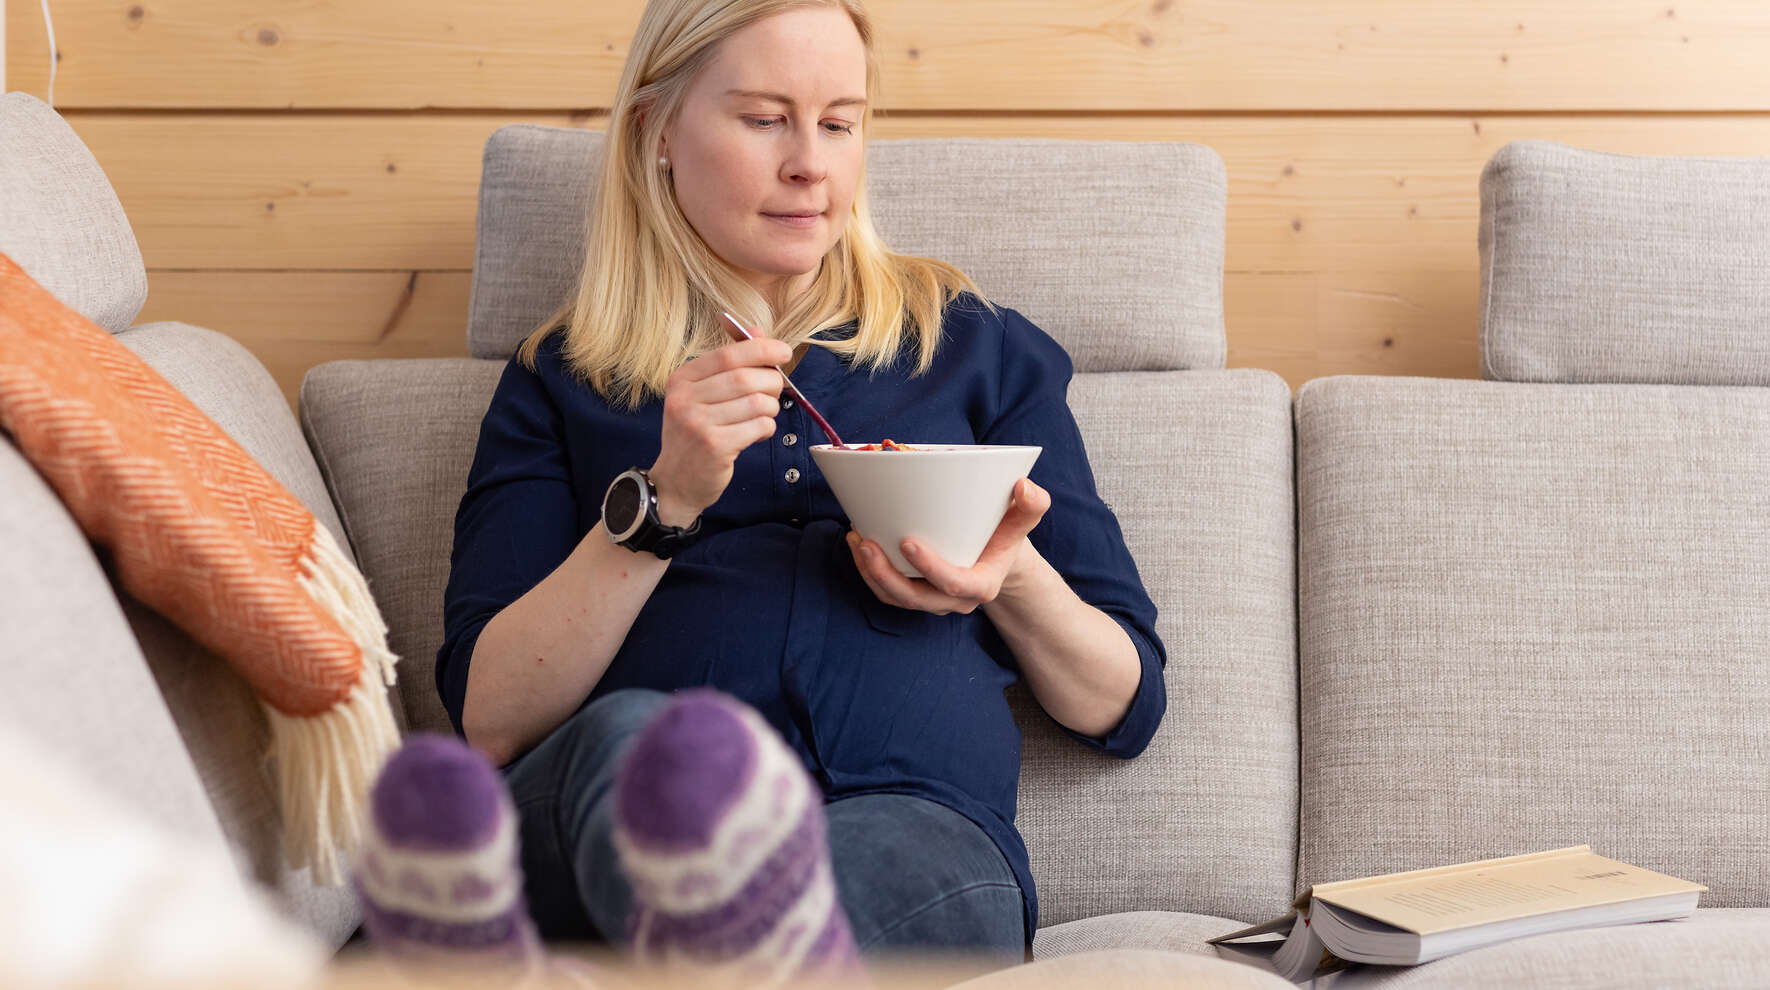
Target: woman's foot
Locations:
point(721, 834)
point(438, 874)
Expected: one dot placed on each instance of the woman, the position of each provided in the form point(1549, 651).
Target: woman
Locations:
point(732, 181)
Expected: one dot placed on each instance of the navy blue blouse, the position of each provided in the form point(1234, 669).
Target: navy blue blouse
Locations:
point(767, 604)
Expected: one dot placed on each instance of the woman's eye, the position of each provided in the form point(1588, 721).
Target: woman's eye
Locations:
point(767, 123)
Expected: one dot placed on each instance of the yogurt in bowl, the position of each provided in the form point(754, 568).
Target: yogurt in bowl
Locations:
point(947, 497)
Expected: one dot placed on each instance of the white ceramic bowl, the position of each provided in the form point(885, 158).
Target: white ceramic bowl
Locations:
point(948, 497)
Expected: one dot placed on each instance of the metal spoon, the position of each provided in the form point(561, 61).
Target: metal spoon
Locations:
point(742, 334)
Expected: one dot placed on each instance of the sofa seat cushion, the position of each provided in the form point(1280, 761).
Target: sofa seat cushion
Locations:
point(1173, 931)
point(1716, 948)
point(1129, 969)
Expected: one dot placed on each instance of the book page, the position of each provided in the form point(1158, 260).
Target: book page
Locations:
point(1447, 898)
point(1275, 925)
point(1299, 955)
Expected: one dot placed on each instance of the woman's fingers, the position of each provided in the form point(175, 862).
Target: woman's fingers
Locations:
point(751, 405)
point(714, 407)
point(736, 383)
point(870, 561)
point(866, 574)
point(964, 585)
point(866, 565)
point(943, 586)
point(764, 352)
point(893, 588)
point(1026, 507)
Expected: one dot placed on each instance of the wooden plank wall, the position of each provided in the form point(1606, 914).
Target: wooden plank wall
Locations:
point(302, 176)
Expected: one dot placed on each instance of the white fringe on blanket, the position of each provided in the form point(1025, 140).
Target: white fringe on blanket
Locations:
point(333, 580)
point(327, 763)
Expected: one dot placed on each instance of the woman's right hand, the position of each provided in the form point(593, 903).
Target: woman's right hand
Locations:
point(714, 407)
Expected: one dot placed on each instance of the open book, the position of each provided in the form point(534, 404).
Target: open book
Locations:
point(1400, 919)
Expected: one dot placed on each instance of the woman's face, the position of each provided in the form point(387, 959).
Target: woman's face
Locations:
point(766, 150)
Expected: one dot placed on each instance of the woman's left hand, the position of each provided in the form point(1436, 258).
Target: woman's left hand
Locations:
point(944, 588)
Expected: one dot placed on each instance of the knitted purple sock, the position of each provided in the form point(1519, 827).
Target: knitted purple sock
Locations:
point(438, 876)
point(721, 834)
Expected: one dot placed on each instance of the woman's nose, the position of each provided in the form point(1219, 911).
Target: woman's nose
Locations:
point(805, 161)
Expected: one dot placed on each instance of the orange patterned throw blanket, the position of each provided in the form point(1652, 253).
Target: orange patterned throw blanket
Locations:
point(201, 533)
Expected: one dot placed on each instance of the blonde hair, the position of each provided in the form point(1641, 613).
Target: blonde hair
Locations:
point(650, 291)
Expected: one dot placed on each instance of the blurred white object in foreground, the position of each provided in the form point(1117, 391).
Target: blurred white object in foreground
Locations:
point(96, 895)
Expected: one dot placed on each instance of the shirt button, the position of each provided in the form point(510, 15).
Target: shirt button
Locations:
point(789, 440)
point(786, 403)
point(792, 475)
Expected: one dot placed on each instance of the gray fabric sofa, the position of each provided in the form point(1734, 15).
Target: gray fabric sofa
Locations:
point(1408, 621)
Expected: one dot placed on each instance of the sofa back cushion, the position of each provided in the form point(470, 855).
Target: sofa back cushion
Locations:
point(1599, 267)
point(1197, 466)
point(1534, 616)
point(60, 219)
point(395, 438)
point(1114, 248)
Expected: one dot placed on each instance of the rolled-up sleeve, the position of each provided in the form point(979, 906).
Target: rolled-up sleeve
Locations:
point(1079, 534)
point(516, 522)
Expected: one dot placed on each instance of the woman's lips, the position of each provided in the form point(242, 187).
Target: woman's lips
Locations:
point(791, 220)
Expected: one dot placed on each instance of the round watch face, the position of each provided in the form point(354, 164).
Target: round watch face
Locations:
point(621, 508)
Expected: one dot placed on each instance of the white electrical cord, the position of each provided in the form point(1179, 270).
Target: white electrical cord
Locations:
point(49, 25)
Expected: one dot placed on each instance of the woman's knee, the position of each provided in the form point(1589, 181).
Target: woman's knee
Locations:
point(912, 873)
point(611, 720)
point(621, 712)
point(582, 750)
point(982, 918)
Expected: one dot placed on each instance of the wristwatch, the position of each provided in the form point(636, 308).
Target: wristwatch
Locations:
point(630, 515)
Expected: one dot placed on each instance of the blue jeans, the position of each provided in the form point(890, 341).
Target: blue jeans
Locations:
point(911, 874)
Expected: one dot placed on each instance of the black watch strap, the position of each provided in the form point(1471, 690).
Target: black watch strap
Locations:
point(664, 541)
point(651, 534)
